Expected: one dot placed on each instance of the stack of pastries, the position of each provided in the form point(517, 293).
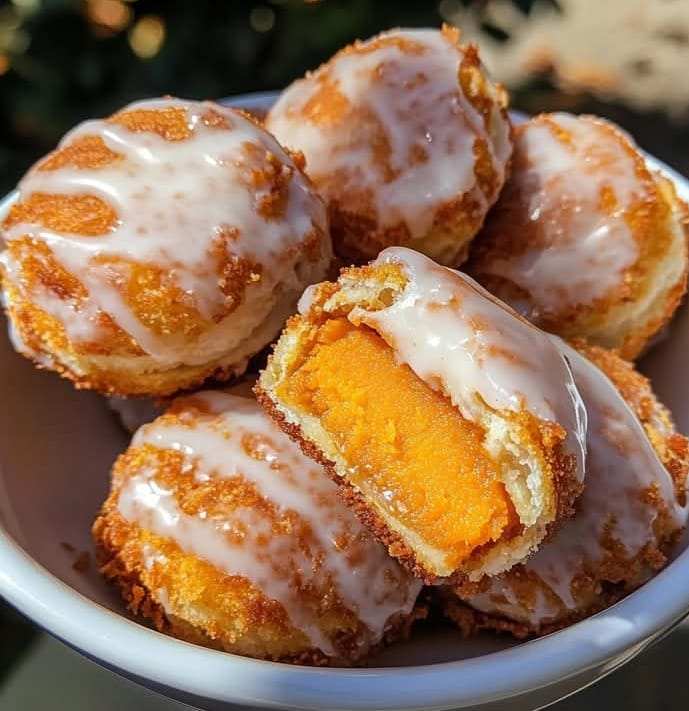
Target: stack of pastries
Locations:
point(474, 442)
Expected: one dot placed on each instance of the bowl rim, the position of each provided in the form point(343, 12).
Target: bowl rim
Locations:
point(603, 641)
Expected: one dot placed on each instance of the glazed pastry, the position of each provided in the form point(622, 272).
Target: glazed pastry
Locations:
point(405, 137)
point(631, 512)
point(223, 533)
point(586, 240)
point(453, 424)
point(159, 247)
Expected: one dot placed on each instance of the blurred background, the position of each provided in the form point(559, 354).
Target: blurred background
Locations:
point(62, 61)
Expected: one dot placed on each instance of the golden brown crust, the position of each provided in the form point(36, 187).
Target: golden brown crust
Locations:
point(45, 336)
point(358, 231)
point(635, 388)
point(107, 358)
point(656, 221)
point(375, 285)
point(597, 585)
point(610, 582)
point(358, 237)
point(117, 568)
point(185, 595)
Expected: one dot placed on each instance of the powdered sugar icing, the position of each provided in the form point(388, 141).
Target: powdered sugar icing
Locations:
point(172, 200)
point(415, 98)
point(621, 466)
point(368, 582)
point(449, 329)
point(575, 196)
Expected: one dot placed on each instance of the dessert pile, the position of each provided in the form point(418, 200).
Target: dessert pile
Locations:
point(449, 419)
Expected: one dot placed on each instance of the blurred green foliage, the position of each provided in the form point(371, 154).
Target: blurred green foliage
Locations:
point(62, 61)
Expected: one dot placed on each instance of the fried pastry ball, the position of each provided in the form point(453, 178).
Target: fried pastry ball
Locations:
point(223, 533)
point(453, 424)
point(159, 247)
point(405, 137)
point(631, 512)
point(586, 240)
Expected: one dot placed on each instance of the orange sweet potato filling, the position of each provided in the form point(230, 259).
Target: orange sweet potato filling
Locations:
point(425, 462)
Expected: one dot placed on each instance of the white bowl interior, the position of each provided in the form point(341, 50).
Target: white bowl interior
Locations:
point(57, 446)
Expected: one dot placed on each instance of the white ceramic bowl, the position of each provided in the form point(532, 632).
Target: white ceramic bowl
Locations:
point(56, 448)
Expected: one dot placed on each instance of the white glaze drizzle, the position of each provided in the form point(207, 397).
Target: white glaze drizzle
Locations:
point(173, 199)
point(621, 465)
point(582, 251)
point(369, 582)
point(449, 329)
point(419, 104)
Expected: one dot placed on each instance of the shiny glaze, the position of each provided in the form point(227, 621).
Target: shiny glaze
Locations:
point(621, 467)
point(406, 83)
point(174, 199)
point(368, 582)
point(454, 335)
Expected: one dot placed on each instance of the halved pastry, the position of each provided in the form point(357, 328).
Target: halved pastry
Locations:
point(631, 512)
point(586, 240)
point(453, 425)
point(223, 533)
point(159, 247)
point(406, 138)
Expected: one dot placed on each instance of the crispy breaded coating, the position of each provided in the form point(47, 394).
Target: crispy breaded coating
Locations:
point(221, 532)
point(586, 240)
point(159, 247)
point(405, 137)
point(453, 425)
point(628, 518)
